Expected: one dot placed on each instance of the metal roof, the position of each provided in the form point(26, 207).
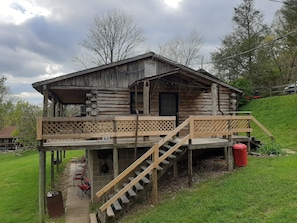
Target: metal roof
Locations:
point(76, 95)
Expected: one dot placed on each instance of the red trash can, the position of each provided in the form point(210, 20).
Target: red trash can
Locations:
point(240, 154)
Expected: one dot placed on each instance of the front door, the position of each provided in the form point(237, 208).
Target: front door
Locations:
point(168, 105)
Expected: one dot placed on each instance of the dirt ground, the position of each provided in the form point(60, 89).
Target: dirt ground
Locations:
point(203, 169)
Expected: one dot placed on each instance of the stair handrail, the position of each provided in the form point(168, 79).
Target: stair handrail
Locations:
point(263, 128)
point(260, 125)
point(137, 162)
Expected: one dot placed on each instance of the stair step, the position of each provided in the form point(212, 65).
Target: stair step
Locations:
point(144, 179)
point(137, 185)
point(170, 156)
point(117, 206)
point(124, 199)
point(131, 192)
point(144, 167)
point(173, 141)
point(165, 162)
point(169, 147)
point(110, 212)
point(150, 162)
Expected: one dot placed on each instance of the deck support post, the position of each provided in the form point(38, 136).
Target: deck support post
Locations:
point(154, 186)
point(42, 161)
point(115, 164)
point(230, 163)
point(52, 169)
point(42, 184)
point(155, 157)
point(58, 160)
point(190, 166)
point(146, 101)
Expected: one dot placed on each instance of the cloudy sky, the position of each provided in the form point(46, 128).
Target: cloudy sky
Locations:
point(40, 38)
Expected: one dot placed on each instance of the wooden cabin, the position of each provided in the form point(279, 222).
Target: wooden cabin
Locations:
point(127, 108)
point(7, 139)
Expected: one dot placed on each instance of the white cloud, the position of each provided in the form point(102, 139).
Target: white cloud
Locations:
point(173, 3)
point(31, 97)
point(18, 11)
point(52, 71)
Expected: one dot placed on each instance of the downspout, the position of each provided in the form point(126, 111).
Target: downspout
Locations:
point(219, 100)
point(136, 134)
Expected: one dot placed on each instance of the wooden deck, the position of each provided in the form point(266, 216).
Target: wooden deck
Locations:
point(97, 133)
point(76, 144)
point(208, 143)
point(97, 144)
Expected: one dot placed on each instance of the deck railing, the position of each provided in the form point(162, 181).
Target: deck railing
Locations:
point(88, 128)
point(125, 126)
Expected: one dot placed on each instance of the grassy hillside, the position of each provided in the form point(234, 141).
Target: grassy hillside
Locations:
point(279, 116)
point(262, 192)
point(19, 186)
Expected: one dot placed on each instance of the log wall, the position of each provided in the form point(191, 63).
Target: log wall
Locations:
point(191, 101)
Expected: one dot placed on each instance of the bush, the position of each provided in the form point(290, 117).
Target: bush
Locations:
point(271, 148)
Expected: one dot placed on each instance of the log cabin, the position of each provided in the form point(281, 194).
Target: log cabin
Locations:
point(7, 139)
point(137, 115)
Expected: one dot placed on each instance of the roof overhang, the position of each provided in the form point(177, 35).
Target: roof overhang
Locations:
point(77, 95)
point(179, 76)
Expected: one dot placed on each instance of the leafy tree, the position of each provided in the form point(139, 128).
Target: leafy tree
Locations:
point(288, 20)
point(183, 50)
point(3, 89)
point(112, 37)
point(24, 117)
point(6, 103)
point(285, 56)
point(238, 56)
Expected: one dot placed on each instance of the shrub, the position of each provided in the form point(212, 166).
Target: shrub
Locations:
point(271, 148)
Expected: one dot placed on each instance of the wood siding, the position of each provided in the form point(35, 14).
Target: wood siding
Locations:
point(116, 78)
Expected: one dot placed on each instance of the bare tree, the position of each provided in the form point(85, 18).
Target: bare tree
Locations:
point(183, 50)
point(112, 37)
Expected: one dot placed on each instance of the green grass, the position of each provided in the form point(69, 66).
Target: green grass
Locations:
point(279, 116)
point(263, 191)
point(19, 186)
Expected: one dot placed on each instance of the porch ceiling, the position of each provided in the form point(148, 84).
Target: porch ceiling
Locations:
point(70, 96)
point(178, 77)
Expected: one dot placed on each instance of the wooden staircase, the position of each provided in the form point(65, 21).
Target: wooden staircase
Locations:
point(145, 171)
point(123, 203)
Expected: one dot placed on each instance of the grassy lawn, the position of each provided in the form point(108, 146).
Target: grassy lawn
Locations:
point(264, 191)
point(279, 116)
point(19, 186)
